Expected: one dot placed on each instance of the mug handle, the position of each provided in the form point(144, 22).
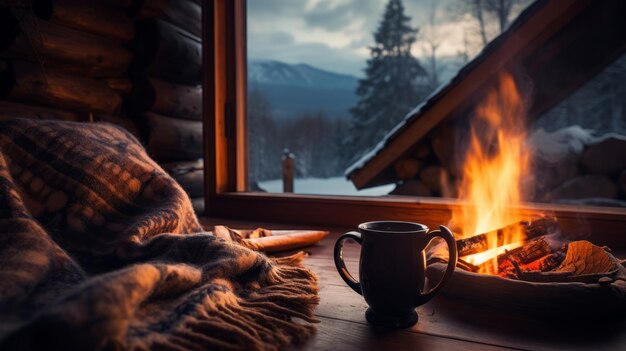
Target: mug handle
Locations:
point(446, 235)
point(341, 266)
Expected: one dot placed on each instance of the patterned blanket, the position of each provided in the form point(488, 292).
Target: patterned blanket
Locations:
point(100, 249)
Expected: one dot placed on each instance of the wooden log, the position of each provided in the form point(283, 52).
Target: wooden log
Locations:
point(121, 121)
point(27, 82)
point(422, 151)
point(411, 187)
point(431, 177)
point(532, 228)
point(443, 145)
point(530, 251)
point(173, 139)
point(510, 261)
point(60, 47)
point(91, 16)
point(165, 51)
point(174, 100)
point(9, 110)
point(181, 13)
point(407, 168)
point(122, 86)
point(189, 174)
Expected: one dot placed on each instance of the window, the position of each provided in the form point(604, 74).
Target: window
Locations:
point(226, 128)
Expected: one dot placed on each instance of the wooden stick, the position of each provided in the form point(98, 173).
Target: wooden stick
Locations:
point(532, 229)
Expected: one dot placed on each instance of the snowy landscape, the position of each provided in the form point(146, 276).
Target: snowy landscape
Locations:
point(325, 186)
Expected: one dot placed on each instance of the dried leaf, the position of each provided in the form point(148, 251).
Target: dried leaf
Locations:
point(584, 258)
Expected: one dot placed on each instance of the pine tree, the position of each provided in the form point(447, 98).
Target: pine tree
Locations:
point(389, 90)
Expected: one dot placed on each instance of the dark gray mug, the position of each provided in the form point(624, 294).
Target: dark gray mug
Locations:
point(392, 269)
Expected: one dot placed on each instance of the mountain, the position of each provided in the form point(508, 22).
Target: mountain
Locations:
point(294, 89)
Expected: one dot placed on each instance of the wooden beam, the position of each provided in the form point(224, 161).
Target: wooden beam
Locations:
point(224, 95)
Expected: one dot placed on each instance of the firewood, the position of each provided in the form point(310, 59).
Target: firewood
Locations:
point(527, 253)
point(29, 83)
point(513, 268)
point(92, 16)
point(532, 229)
point(59, 47)
point(173, 139)
point(443, 145)
point(422, 151)
point(182, 13)
point(165, 51)
point(407, 168)
point(165, 98)
point(431, 177)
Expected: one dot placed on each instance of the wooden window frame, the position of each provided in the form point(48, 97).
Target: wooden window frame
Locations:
point(226, 153)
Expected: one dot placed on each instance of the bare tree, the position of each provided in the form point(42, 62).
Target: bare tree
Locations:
point(501, 10)
point(485, 12)
point(431, 41)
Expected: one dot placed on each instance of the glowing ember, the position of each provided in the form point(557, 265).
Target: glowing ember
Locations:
point(495, 164)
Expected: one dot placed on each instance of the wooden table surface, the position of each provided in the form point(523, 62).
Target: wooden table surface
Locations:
point(444, 324)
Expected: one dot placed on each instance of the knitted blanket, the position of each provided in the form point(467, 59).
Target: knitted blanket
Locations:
point(100, 249)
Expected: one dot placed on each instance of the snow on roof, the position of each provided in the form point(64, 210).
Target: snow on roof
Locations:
point(433, 98)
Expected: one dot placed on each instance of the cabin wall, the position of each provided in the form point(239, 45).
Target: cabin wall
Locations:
point(134, 63)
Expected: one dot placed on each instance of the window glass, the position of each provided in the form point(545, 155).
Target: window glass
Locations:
point(328, 79)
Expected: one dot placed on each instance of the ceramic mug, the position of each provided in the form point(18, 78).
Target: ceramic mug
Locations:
point(392, 269)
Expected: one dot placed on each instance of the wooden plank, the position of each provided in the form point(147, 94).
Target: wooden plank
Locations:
point(442, 317)
point(603, 226)
point(224, 89)
point(537, 29)
point(448, 318)
point(336, 334)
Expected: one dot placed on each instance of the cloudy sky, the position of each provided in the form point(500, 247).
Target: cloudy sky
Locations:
point(335, 34)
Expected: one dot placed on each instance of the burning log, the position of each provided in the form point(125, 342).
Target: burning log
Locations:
point(536, 255)
point(529, 252)
point(532, 229)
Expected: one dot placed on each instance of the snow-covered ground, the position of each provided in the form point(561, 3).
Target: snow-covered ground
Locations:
point(325, 186)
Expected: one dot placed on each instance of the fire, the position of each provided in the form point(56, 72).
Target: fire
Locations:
point(494, 167)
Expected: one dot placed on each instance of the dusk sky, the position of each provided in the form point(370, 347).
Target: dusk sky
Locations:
point(335, 34)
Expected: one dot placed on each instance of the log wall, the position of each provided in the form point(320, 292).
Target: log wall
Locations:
point(133, 63)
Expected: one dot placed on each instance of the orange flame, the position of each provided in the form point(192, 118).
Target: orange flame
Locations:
point(495, 165)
